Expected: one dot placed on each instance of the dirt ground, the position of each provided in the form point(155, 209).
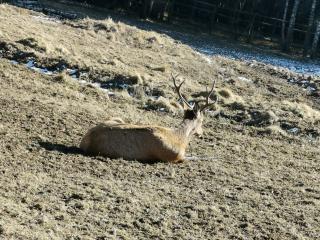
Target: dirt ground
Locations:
point(254, 174)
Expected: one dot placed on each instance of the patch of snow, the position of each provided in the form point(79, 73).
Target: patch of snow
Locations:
point(297, 66)
point(124, 86)
point(294, 130)
point(72, 71)
point(311, 89)
point(84, 74)
point(44, 71)
point(46, 19)
point(30, 64)
point(97, 85)
point(244, 79)
point(211, 47)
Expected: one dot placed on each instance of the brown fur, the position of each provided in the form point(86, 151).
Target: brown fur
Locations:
point(144, 143)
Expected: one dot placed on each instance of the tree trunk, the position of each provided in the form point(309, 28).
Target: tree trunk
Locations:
point(236, 17)
point(315, 40)
point(252, 20)
point(213, 16)
point(310, 25)
point(147, 6)
point(284, 19)
point(276, 25)
point(163, 9)
point(170, 10)
point(251, 28)
point(193, 10)
point(292, 22)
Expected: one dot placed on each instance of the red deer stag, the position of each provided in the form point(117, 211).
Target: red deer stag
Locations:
point(148, 143)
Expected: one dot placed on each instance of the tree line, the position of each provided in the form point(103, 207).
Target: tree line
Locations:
point(294, 24)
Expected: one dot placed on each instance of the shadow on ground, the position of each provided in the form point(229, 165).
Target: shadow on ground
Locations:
point(73, 150)
point(60, 148)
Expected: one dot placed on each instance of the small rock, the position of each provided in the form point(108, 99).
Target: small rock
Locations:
point(191, 214)
point(37, 206)
point(152, 39)
point(1, 230)
point(244, 225)
point(59, 218)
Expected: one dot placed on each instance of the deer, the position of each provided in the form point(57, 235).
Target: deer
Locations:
point(149, 143)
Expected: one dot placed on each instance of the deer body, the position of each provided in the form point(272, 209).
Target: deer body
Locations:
point(146, 143)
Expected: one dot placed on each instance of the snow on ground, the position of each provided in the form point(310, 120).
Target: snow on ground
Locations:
point(210, 46)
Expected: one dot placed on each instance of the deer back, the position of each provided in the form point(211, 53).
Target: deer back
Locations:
point(144, 143)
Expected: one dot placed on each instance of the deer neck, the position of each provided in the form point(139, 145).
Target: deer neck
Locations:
point(186, 129)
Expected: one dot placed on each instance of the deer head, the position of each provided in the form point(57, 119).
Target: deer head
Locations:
point(193, 114)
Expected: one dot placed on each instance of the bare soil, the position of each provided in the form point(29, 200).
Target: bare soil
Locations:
point(253, 175)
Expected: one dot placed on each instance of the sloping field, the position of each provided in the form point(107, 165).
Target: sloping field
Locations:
point(254, 173)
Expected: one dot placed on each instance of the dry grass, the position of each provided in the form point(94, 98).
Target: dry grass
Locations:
point(250, 178)
point(162, 104)
point(228, 97)
point(302, 110)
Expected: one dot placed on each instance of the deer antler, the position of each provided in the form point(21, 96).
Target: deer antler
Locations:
point(207, 101)
point(178, 91)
